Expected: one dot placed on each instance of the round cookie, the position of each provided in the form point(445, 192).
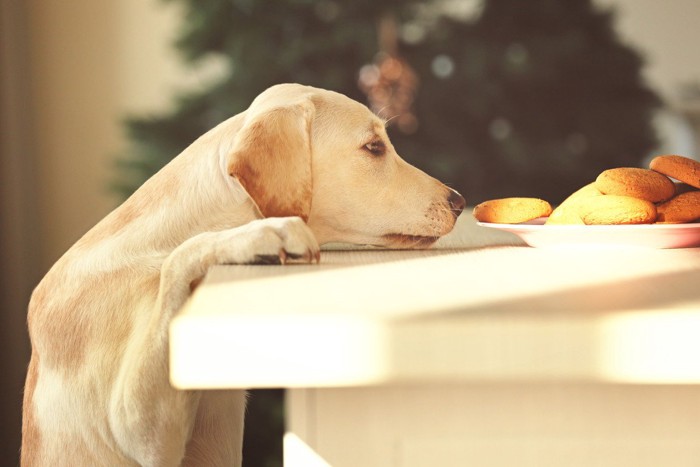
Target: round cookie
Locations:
point(511, 210)
point(616, 210)
point(566, 216)
point(681, 168)
point(680, 209)
point(635, 182)
point(567, 212)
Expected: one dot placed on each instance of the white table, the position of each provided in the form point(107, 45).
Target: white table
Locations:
point(496, 356)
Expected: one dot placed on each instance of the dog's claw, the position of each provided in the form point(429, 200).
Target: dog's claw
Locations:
point(266, 259)
point(307, 257)
point(283, 256)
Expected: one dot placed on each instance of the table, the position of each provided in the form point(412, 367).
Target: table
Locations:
point(481, 351)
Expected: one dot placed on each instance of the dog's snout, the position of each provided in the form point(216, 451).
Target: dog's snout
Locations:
point(456, 202)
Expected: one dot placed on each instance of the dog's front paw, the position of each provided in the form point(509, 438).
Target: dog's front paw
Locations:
point(277, 240)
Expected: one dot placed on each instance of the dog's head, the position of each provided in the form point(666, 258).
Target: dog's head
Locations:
point(317, 154)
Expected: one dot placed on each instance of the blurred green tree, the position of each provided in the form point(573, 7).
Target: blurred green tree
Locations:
point(516, 99)
point(530, 99)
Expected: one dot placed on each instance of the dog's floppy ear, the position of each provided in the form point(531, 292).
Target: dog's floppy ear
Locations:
point(271, 159)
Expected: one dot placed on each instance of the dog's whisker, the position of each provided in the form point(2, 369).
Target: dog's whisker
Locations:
point(387, 122)
point(379, 112)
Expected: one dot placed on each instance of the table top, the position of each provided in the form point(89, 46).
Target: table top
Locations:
point(480, 306)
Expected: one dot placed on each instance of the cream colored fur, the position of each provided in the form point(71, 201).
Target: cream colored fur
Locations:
point(301, 167)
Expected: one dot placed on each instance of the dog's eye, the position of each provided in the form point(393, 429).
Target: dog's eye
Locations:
point(376, 148)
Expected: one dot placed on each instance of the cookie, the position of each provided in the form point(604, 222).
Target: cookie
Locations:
point(511, 210)
point(616, 210)
point(681, 168)
point(568, 212)
point(635, 182)
point(682, 208)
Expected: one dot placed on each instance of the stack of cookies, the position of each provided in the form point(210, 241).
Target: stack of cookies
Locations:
point(624, 195)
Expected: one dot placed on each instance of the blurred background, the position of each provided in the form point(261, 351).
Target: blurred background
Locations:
point(494, 97)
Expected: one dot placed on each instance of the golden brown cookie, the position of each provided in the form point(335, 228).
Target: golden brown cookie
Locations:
point(511, 210)
point(680, 209)
point(567, 212)
point(615, 210)
point(635, 182)
point(681, 168)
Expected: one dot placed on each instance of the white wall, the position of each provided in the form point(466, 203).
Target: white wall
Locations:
point(91, 64)
point(667, 33)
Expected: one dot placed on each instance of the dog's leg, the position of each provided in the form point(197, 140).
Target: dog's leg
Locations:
point(153, 422)
point(217, 437)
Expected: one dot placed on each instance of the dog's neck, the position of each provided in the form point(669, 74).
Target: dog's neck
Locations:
point(182, 200)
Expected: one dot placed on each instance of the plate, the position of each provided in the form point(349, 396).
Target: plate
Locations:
point(536, 234)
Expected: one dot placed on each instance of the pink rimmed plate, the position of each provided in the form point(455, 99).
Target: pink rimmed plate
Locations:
point(536, 234)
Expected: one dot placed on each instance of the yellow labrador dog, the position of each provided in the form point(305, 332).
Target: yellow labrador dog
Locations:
point(299, 168)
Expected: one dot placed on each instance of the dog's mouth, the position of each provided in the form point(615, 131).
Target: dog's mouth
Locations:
point(408, 241)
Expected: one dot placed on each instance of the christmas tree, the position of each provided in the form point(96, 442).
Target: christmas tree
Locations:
point(516, 99)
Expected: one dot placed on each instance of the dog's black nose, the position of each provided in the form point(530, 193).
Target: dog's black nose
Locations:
point(456, 202)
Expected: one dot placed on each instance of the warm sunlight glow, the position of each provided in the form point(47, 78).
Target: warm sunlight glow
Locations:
point(657, 347)
point(268, 349)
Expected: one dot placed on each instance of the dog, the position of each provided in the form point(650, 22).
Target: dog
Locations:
point(299, 168)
